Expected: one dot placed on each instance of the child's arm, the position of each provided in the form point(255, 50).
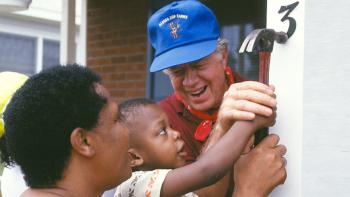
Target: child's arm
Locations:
point(214, 163)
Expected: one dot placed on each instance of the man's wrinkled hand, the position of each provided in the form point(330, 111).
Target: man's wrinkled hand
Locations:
point(244, 100)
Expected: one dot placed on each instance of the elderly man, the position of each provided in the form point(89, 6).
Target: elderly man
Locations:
point(188, 48)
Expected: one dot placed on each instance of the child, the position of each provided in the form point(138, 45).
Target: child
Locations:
point(155, 148)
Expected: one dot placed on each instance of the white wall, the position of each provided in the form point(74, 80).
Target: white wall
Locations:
point(326, 140)
point(312, 76)
point(286, 73)
point(49, 10)
point(26, 27)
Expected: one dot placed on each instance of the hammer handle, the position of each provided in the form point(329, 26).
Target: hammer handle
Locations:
point(264, 65)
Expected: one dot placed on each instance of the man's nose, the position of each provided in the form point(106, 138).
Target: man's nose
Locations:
point(191, 77)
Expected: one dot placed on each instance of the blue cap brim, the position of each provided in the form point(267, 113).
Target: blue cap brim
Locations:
point(183, 54)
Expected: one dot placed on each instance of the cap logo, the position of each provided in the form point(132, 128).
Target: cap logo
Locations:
point(174, 29)
point(174, 26)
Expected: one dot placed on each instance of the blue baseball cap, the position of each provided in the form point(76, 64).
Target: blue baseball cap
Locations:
point(182, 32)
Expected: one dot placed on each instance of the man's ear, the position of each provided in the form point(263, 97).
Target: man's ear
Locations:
point(82, 142)
point(136, 158)
point(225, 56)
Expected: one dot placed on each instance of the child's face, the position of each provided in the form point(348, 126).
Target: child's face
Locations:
point(161, 146)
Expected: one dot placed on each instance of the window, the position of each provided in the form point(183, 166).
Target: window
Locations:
point(51, 53)
point(17, 53)
point(26, 54)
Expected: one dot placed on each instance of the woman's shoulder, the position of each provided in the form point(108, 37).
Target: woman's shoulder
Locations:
point(44, 193)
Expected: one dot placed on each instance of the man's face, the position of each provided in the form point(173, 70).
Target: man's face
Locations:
point(160, 146)
point(201, 84)
point(112, 143)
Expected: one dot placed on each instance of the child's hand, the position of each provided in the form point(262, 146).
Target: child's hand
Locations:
point(263, 121)
point(249, 146)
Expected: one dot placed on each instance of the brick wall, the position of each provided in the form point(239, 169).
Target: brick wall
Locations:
point(116, 45)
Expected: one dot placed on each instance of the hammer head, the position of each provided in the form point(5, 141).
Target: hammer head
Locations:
point(262, 40)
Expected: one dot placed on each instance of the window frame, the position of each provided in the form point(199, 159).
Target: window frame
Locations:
point(34, 28)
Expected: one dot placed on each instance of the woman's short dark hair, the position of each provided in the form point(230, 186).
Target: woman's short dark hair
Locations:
point(41, 117)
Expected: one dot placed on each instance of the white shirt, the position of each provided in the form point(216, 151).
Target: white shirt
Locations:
point(12, 182)
point(144, 184)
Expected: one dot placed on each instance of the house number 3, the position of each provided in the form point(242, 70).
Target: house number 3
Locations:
point(292, 22)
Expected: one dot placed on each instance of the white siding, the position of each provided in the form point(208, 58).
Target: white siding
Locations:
point(326, 140)
point(317, 136)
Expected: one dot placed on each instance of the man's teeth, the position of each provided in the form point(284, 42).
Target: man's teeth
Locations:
point(198, 92)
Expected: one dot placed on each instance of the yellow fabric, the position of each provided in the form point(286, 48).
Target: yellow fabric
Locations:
point(9, 83)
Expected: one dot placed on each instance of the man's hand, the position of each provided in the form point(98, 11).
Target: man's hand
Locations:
point(257, 173)
point(242, 101)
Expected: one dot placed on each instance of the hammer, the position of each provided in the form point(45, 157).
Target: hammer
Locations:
point(261, 41)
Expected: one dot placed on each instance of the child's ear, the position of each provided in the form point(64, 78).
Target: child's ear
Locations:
point(82, 142)
point(135, 157)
